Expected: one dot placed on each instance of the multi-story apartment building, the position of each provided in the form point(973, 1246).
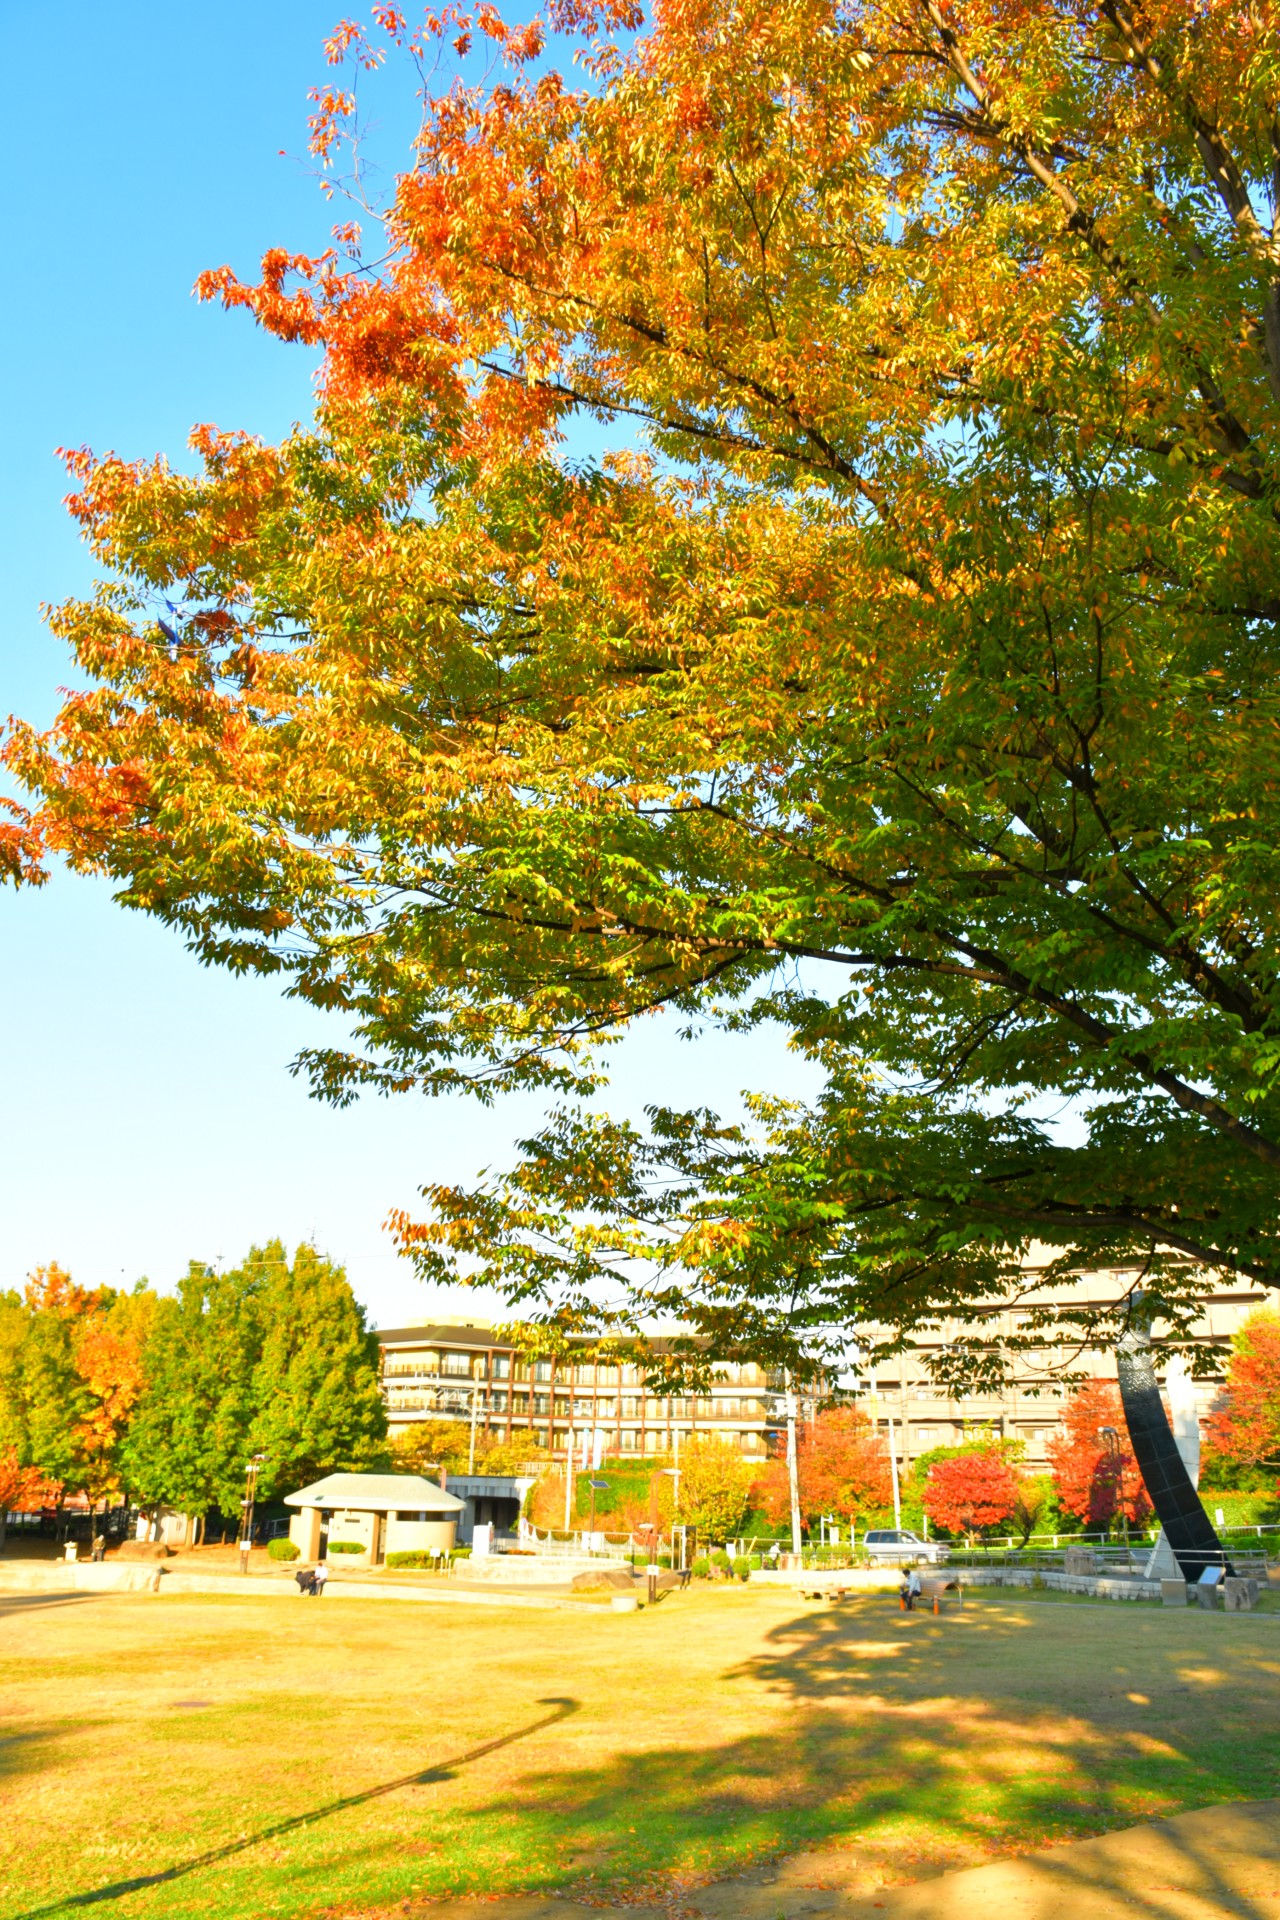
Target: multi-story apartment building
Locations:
point(902, 1394)
point(442, 1371)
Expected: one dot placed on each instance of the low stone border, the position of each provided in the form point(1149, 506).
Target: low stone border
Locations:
point(1099, 1586)
point(77, 1576)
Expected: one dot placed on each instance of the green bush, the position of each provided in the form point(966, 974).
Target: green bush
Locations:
point(416, 1557)
point(664, 1560)
point(742, 1570)
point(1242, 1509)
point(756, 1562)
point(721, 1561)
point(459, 1553)
point(346, 1546)
point(283, 1550)
point(701, 1568)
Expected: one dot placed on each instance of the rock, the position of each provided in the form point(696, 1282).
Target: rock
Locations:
point(619, 1578)
point(1081, 1560)
point(1239, 1596)
point(142, 1550)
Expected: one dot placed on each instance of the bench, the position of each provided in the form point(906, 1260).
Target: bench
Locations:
point(937, 1590)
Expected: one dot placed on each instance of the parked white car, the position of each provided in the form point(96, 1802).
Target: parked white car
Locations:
point(897, 1544)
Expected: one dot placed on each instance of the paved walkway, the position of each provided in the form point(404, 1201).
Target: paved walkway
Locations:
point(1197, 1866)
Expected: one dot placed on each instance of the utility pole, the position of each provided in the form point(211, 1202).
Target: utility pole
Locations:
point(793, 1469)
point(246, 1508)
point(471, 1454)
point(893, 1472)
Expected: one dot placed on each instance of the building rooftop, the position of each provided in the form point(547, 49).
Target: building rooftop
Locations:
point(376, 1493)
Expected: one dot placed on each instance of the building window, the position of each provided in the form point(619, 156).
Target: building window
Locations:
point(456, 1366)
point(541, 1437)
point(606, 1409)
point(413, 1516)
point(584, 1376)
point(542, 1369)
point(562, 1408)
point(477, 1368)
point(542, 1403)
point(499, 1399)
point(500, 1366)
point(631, 1409)
point(520, 1403)
point(630, 1440)
point(522, 1370)
point(583, 1409)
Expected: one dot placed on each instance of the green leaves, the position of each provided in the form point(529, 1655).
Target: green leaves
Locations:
point(914, 685)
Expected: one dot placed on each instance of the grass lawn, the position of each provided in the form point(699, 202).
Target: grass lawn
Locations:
point(272, 1756)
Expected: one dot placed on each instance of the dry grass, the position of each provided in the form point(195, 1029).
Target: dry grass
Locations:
point(270, 1756)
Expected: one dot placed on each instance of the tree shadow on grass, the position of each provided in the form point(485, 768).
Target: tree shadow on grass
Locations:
point(443, 1770)
point(904, 1746)
point(11, 1603)
point(31, 1748)
point(921, 1744)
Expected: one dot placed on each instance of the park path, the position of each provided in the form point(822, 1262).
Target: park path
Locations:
point(1196, 1866)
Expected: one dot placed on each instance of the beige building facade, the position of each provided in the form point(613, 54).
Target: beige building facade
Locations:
point(460, 1370)
point(901, 1394)
point(452, 1369)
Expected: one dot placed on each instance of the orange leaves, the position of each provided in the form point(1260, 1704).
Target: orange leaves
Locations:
point(291, 316)
point(21, 847)
point(22, 1489)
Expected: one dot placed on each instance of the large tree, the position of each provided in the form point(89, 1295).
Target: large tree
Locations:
point(913, 683)
point(270, 1357)
point(318, 1400)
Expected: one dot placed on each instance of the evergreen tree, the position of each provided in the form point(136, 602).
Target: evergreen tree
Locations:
point(318, 1402)
point(189, 1441)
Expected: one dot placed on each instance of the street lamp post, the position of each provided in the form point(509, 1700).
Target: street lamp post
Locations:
point(246, 1508)
point(1115, 1453)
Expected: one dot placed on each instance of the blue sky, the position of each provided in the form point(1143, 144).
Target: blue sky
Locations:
point(148, 1113)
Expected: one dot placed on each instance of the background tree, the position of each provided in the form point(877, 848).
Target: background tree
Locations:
point(1244, 1435)
point(318, 1402)
point(430, 1445)
point(1093, 1483)
point(189, 1439)
point(971, 1492)
point(20, 1487)
point(842, 1468)
point(715, 1487)
point(913, 687)
point(268, 1357)
point(1033, 1505)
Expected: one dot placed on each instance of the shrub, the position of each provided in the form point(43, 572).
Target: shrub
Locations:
point(459, 1553)
point(755, 1562)
point(346, 1546)
point(664, 1560)
point(415, 1557)
point(721, 1561)
point(283, 1550)
point(701, 1568)
point(742, 1570)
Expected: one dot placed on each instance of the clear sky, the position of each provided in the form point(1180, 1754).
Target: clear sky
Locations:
point(148, 1113)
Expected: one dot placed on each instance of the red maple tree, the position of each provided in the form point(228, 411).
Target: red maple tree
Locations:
point(1246, 1432)
point(22, 1489)
point(970, 1492)
point(842, 1467)
point(1093, 1482)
